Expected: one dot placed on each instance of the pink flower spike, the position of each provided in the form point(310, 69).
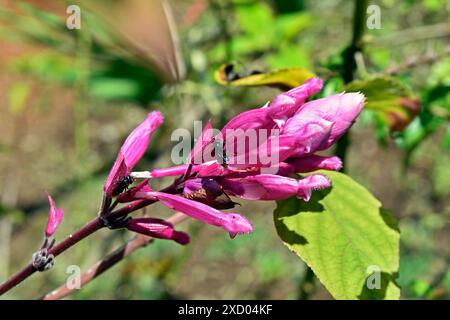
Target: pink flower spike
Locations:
point(55, 216)
point(132, 151)
point(158, 228)
point(310, 183)
point(234, 223)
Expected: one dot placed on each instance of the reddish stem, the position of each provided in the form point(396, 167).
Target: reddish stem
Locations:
point(79, 235)
point(109, 261)
point(72, 239)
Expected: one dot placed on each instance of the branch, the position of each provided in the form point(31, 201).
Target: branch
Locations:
point(71, 240)
point(417, 61)
point(93, 226)
point(109, 261)
point(350, 65)
point(402, 37)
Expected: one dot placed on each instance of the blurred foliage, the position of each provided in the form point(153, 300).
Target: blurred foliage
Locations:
point(69, 97)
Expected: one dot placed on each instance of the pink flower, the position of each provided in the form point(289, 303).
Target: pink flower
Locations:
point(202, 142)
point(262, 120)
point(273, 187)
point(131, 152)
point(233, 223)
point(309, 163)
point(157, 228)
point(340, 109)
point(284, 129)
point(275, 113)
point(294, 130)
point(55, 216)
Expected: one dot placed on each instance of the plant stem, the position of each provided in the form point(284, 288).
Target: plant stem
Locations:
point(109, 261)
point(349, 67)
point(71, 240)
point(80, 234)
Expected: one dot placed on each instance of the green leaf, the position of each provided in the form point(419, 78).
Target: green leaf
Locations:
point(114, 88)
point(290, 56)
point(283, 79)
point(446, 139)
point(253, 18)
point(343, 234)
point(390, 99)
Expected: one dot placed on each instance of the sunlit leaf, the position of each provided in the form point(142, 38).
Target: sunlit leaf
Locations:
point(390, 99)
point(345, 236)
point(283, 79)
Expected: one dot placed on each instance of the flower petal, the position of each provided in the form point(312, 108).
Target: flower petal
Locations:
point(261, 187)
point(274, 187)
point(196, 155)
point(341, 109)
point(311, 163)
point(157, 228)
point(271, 115)
point(234, 223)
point(286, 104)
point(55, 216)
point(136, 144)
point(131, 151)
point(310, 183)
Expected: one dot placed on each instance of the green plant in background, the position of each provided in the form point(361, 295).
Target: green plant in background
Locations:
point(278, 44)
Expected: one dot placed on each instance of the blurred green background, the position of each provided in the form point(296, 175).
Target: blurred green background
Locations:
point(68, 98)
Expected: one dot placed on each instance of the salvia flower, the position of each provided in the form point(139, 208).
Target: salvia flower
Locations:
point(131, 152)
point(232, 222)
point(55, 216)
point(294, 131)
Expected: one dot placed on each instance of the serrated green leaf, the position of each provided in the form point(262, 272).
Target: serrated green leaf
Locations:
point(390, 98)
point(343, 234)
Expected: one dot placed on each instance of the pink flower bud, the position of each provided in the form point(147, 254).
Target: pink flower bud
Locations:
point(157, 228)
point(131, 152)
point(55, 216)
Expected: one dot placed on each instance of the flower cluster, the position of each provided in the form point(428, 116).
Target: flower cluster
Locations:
point(205, 185)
